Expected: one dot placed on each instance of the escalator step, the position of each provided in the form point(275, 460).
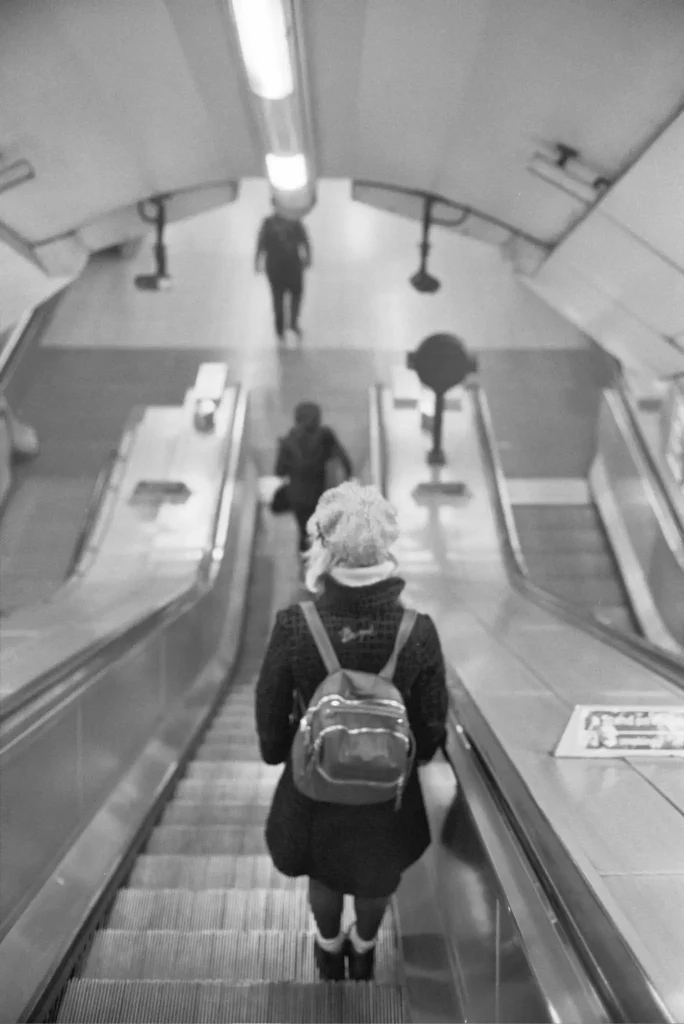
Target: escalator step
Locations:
point(235, 717)
point(572, 564)
point(227, 770)
point(208, 841)
point(234, 791)
point(222, 791)
point(219, 1002)
point(228, 750)
point(233, 750)
point(239, 729)
point(196, 873)
point(184, 813)
point(209, 910)
point(556, 517)
point(240, 732)
point(586, 592)
point(536, 540)
point(242, 696)
point(217, 956)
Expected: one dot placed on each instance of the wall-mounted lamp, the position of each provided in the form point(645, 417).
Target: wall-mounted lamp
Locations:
point(154, 212)
point(273, 57)
point(560, 165)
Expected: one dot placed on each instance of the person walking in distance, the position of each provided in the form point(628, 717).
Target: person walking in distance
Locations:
point(304, 457)
point(284, 249)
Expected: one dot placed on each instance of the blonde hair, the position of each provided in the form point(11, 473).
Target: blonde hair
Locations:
point(353, 526)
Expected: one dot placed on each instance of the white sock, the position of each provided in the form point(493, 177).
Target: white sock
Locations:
point(330, 945)
point(359, 944)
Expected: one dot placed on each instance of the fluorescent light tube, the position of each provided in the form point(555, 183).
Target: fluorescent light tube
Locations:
point(262, 32)
point(287, 173)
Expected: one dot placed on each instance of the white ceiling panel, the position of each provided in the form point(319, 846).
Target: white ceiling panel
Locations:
point(334, 34)
point(649, 200)
point(631, 273)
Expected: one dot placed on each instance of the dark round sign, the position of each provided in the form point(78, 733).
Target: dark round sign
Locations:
point(442, 362)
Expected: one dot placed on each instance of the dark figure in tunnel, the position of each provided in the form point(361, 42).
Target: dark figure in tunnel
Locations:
point(283, 246)
point(304, 457)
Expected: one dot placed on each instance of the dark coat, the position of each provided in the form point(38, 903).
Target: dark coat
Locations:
point(356, 850)
point(303, 457)
point(285, 244)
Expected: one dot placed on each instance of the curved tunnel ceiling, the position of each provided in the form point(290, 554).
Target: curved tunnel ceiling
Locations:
point(114, 100)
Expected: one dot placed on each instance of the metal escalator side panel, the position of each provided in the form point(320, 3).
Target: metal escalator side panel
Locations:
point(655, 659)
point(56, 919)
point(531, 971)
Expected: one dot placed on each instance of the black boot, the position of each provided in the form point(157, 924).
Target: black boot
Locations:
point(361, 965)
point(330, 965)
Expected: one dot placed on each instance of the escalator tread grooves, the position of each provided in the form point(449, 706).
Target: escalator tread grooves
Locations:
point(185, 935)
point(50, 1009)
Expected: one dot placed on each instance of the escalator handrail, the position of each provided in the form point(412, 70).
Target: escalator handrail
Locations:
point(114, 458)
point(616, 974)
point(93, 509)
point(378, 440)
point(24, 332)
point(663, 512)
point(655, 659)
point(644, 449)
point(103, 651)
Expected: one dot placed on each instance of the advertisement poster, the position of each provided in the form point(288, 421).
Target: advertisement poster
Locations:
point(614, 731)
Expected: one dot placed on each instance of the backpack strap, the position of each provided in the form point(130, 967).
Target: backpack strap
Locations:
point(406, 625)
point(321, 638)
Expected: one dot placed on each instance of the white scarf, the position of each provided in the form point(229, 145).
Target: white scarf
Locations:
point(364, 577)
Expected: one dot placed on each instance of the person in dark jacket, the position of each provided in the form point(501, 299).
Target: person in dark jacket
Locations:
point(361, 851)
point(303, 457)
point(284, 247)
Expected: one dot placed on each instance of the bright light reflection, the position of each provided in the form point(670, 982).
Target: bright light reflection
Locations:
point(263, 40)
point(287, 173)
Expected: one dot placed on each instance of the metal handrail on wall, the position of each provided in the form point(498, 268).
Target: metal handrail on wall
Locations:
point(25, 331)
point(107, 481)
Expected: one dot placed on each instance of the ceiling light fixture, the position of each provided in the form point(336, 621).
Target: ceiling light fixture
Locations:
point(271, 45)
point(262, 33)
point(287, 173)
